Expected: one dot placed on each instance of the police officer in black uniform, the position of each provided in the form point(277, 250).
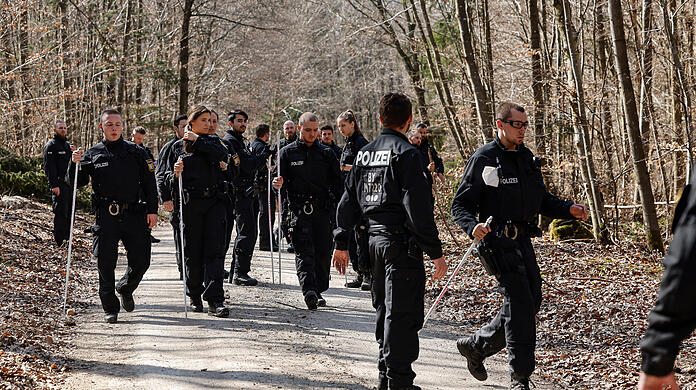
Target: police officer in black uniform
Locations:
point(327, 138)
point(165, 192)
point(137, 137)
point(119, 213)
point(290, 133)
point(503, 180)
point(388, 187)
point(246, 198)
point(311, 181)
point(259, 146)
point(203, 159)
point(674, 317)
point(348, 125)
point(56, 156)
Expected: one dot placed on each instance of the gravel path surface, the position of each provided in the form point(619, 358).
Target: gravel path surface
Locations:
point(270, 340)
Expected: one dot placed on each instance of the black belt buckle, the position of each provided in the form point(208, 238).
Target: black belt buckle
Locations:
point(114, 209)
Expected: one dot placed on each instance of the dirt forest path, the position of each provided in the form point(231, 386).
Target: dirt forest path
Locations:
point(270, 340)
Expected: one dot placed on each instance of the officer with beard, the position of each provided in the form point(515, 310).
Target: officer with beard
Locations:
point(290, 132)
point(56, 156)
point(259, 146)
point(246, 198)
point(311, 181)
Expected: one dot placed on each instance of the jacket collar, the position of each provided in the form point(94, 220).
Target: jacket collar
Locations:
point(388, 131)
point(499, 143)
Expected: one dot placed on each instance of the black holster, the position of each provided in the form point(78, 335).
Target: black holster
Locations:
point(362, 239)
point(489, 258)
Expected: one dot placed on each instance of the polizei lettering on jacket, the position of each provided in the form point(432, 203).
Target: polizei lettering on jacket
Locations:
point(373, 158)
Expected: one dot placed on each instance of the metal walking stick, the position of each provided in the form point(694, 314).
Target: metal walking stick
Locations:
point(70, 239)
point(280, 218)
point(181, 238)
point(456, 270)
point(270, 224)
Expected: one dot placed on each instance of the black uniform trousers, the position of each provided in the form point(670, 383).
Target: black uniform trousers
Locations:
point(264, 233)
point(311, 237)
point(514, 326)
point(247, 211)
point(229, 201)
point(398, 286)
point(62, 206)
point(130, 227)
point(204, 241)
point(174, 221)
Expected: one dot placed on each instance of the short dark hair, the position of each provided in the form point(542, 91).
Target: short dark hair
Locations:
point(418, 126)
point(234, 113)
point(504, 110)
point(327, 127)
point(262, 130)
point(140, 130)
point(179, 118)
point(109, 111)
point(395, 109)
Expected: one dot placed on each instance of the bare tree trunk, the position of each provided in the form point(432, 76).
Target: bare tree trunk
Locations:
point(122, 99)
point(488, 58)
point(629, 102)
point(582, 142)
point(537, 79)
point(483, 104)
point(139, 56)
point(184, 57)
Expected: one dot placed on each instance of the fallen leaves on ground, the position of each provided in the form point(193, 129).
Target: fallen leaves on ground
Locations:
point(33, 334)
point(596, 300)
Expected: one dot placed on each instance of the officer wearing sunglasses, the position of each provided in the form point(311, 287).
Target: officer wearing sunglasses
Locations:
point(503, 180)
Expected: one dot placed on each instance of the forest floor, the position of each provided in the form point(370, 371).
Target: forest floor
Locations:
point(596, 301)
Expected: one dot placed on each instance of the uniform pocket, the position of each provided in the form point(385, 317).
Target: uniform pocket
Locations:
point(405, 289)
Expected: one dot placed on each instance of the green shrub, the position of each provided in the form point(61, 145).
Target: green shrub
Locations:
point(564, 229)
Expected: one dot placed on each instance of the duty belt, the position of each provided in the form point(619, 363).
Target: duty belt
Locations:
point(116, 208)
point(200, 193)
point(514, 230)
point(307, 204)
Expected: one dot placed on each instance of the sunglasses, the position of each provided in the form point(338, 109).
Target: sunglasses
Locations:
point(515, 124)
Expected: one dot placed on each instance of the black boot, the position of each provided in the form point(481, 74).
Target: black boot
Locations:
point(355, 283)
point(393, 386)
point(311, 300)
point(519, 382)
point(111, 318)
point(127, 302)
point(383, 382)
point(474, 359)
point(321, 302)
point(245, 280)
point(218, 309)
point(196, 304)
point(366, 283)
point(153, 239)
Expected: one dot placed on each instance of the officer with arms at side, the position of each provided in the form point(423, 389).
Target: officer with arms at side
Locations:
point(138, 137)
point(503, 180)
point(165, 192)
point(327, 138)
point(674, 317)
point(56, 156)
point(311, 182)
point(388, 187)
point(246, 198)
point(119, 214)
point(290, 133)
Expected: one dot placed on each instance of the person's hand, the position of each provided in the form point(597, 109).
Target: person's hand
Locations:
point(72, 148)
point(431, 167)
point(440, 176)
point(151, 220)
point(178, 168)
point(340, 260)
point(278, 182)
point(168, 206)
point(76, 155)
point(480, 231)
point(346, 167)
point(56, 191)
point(440, 268)
point(223, 165)
point(651, 382)
point(579, 211)
point(190, 135)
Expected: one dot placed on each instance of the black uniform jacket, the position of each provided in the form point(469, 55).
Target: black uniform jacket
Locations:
point(56, 156)
point(388, 187)
point(258, 148)
point(247, 162)
point(165, 192)
point(428, 151)
point(202, 167)
point(353, 144)
point(120, 170)
point(674, 316)
point(310, 171)
point(338, 151)
point(505, 184)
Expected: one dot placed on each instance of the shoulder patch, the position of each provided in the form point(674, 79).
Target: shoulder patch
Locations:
point(235, 159)
point(150, 164)
point(373, 158)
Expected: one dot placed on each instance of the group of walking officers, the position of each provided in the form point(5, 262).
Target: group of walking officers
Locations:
point(376, 197)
